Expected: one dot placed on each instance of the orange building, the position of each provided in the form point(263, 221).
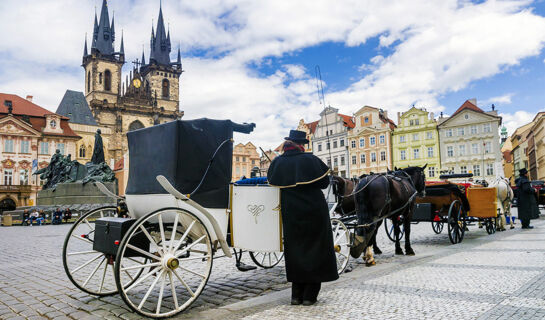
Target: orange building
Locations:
point(245, 157)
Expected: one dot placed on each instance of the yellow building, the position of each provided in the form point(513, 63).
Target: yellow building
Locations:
point(309, 129)
point(519, 145)
point(507, 162)
point(416, 142)
point(538, 129)
point(245, 157)
point(369, 142)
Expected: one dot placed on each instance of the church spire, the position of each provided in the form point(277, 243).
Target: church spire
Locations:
point(122, 48)
point(179, 60)
point(143, 57)
point(104, 32)
point(85, 54)
point(160, 43)
point(113, 27)
point(95, 31)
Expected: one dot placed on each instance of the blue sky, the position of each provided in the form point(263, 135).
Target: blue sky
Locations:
point(255, 60)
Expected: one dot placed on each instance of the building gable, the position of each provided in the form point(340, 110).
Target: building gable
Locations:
point(12, 125)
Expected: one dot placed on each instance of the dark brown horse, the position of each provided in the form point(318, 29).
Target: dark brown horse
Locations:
point(382, 196)
point(343, 189)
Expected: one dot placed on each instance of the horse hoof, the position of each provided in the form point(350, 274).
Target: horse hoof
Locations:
point(410, 253)
point(400, 252)
point(370, 264)
point(378, 251)
point(512, 227)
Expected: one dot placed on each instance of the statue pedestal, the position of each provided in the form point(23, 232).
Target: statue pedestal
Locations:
point(76, 193)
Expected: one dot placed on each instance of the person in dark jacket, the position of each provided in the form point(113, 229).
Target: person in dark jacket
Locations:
point(308, 239)
point(527, 204)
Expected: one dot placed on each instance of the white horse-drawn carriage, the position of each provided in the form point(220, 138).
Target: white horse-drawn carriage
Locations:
point(156, 247)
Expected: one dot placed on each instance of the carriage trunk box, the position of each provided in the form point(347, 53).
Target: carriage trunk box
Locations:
point(110, 230)
point(422, 212)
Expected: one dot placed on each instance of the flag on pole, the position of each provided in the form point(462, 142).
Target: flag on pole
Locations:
point(34, 165)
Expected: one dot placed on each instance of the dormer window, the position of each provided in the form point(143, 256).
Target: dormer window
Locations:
point(53, 124)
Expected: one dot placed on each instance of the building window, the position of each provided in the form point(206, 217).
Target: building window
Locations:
point(473, 129)
point(416, 153)
point(401, 139)
point(8, 145)
point(362, 158)
point(23, 176)
point(25, 146)
point(8, 177)
point(238, 172)
point(462, 150)
point(461, 131)
point(416, 137)
point(166, 88)
point(329, 162)
point(476, 170)
point(403, 155)
point(44, 147)
point(362, 142)
point(475, 148)
point(88, 81)
point(335, 162)
point(341, 142)
point(319, 147)
point(463, 169)
point(448, 133)
point(487, 128)
point(430, 152)
point(372, 141)
point(335, 144)
point(107, 80)
point(487, 147)
point(373, 157)
point(416, 122)
point(366, 120)
point(431, 171)
point(342, 161)
point(466, 116)
point(100, 77)
point(429, 135)
point(82, 151)
point(411, 122)
point(383, 156)
point(327, 146)
point(243, 159)
point(253, 162)
point(489, 169)
point(354, 160)
point(382, 139)
point(450, 151)
point(353, 143)
point(237, 159)
point(60, 146)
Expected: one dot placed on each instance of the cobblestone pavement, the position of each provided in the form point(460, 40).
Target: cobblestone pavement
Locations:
point(488, 276)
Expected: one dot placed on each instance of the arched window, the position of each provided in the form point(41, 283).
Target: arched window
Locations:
point(166, 88)
point(135, 125)
point(88, 81)
point(82, 151)
point(107, 80)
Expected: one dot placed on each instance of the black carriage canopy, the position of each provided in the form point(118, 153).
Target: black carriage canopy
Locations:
point(181, 150)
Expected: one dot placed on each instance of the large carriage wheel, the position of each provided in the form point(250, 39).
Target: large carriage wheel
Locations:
point(179, 249)
point(390, 232)
point(456, 222)
point(266, 260)
point(437, 226)
point(89, 270)
point(341, 244)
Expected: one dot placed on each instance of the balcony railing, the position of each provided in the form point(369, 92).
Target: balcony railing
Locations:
point(15, 188)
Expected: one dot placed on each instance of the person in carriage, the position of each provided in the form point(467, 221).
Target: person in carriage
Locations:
point(308, 240)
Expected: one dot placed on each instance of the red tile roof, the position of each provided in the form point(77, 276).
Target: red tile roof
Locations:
point(467, 105)
point(312, 126)
point(507, 156)
point(119, 164)
point(348, 122)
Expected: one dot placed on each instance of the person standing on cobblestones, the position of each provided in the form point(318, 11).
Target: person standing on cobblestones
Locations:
point(527, 204)
point(308, 239)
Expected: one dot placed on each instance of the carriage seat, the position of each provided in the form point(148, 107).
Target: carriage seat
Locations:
point(253, 181)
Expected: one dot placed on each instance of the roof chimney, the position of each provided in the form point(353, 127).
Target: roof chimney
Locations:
point(474, 101)
point(29, 98)
point(398, 118)
point(432, 116)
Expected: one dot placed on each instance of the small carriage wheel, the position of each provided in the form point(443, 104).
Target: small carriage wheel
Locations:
point(456, 222)
point(437, 226)
point(341, 244)
point(179, 248)
point(390, 230)
point(266, 260)
point(86, 268)
point(490, 225)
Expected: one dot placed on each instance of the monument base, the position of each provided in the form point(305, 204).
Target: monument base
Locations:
point(76, 193)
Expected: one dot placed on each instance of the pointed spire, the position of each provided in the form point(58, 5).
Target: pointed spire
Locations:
point(122, 49)
point(143, 57)
point(95, 31)
point(179, 60)
point(85, 54)
point(104, 40)
point(160, 44)
point(112, 27)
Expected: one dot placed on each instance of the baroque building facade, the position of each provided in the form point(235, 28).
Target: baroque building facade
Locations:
point(416, 142)
point(470, 142)
point(245, 158)
point(369, 142)
point(149, 95)
point(519, 148)
point(536, 148)
point(29, 136)
point(309, 129)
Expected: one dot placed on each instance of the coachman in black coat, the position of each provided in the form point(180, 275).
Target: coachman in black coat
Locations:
point(308, 239)
point(526, 202)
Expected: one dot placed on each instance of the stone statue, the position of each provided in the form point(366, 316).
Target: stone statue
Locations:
point(98, 150)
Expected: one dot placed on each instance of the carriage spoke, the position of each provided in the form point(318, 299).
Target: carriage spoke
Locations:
point(134, 260)
point(193, 272)
point(195, 258)
point(340, 237)
point(86, 263)
point(152, 272)
point(103, 276)
point(150, 238)
point(89, 225)
point(160, 300)
point(149, 255)
point(184, 283)
point(270, 263)
point(149, 290)
point(263, 260)
point(173, 237)
point(141, 266)
point(190, 246)
point(275, 256)
point(127, 273)
point(184, 236)
point(173, 290)
point(161, 228)
point(82, 239)
point(81, 252)
point(93, 273)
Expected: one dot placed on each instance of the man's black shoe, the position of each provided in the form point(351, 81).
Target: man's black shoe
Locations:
point(295, 301)
point(309, 302)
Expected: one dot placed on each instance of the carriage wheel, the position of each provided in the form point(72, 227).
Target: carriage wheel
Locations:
point(179, 250)
point(266, 260)
point(89, 270)
point(341, 244)
point(390, 230)
point(490, 225)
point(437, 226)
point(456, 222)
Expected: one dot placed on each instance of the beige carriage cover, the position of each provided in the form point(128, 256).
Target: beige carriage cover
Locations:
point(256, 222)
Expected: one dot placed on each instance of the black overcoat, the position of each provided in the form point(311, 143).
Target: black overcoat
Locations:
point(308, 239)
point(526, 202)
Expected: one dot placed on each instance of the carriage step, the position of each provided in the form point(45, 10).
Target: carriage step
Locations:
point(245, 267)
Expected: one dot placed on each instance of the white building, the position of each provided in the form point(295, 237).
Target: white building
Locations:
point(330, 141)
point(470, 143)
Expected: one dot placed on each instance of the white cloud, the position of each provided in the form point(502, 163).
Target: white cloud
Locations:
point(512, 121)
point(503, 99)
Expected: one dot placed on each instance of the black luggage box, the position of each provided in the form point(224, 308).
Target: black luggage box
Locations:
point(422, 212)
point(110, 230)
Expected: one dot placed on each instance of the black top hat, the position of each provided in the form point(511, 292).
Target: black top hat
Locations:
point(297, 137)
point(523, 171)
